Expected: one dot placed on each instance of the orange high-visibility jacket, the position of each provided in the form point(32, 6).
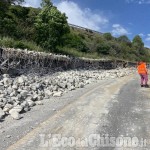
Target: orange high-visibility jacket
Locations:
point(142, 68)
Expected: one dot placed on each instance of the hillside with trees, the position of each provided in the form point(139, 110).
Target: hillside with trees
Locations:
point(46, 29)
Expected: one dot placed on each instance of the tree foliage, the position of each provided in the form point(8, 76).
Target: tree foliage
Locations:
point(137, 42)
point(18, 22)
point(50, 25)
point(108, 36)
point(73, 40)
point(103, 48)
point(13, 1)
point(123, 38)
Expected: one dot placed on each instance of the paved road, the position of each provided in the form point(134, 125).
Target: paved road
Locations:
point(109, 115)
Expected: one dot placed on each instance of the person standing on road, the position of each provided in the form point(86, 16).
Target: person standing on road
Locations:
point(143, 72)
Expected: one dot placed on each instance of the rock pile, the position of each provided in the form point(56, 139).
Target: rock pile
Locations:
point(21, 93)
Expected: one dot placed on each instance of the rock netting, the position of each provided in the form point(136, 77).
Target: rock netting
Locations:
point(21, 93)
point(17, 62)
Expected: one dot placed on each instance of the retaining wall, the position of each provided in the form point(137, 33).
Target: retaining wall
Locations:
point(17, 61)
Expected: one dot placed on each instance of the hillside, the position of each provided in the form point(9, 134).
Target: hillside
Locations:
point(19, 28)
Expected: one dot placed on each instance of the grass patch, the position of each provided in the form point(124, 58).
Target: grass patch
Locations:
point(22, 44)
point(75, 53)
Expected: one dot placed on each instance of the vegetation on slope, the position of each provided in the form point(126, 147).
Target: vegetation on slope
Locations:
point(47, 30)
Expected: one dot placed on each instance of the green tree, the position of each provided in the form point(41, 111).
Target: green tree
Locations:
point(137, 42)
point(13, 1)
point(103, 48)
point(116, 46)
point(138, 45)
point(112, 52)
point(3, 7)
point(50, 25)
point(107, 36)
point(123, 38)
point(73, 40)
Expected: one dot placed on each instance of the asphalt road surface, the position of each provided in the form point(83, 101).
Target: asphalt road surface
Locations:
point(113, 114)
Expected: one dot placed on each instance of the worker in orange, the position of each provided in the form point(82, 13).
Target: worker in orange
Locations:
point(143, 72)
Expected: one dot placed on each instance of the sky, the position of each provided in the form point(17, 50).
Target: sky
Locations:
point(119, 17)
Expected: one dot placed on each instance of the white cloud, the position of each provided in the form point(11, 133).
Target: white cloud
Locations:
point(147, 41)
point(138, 1)
point(129, 1)
point(148, 46)
point(144, 1)
point(82, 17)
point(119, 30)
point(32, 3)
point(148, 37)
point(141, 34)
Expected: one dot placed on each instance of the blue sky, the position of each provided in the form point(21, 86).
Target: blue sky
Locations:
point(119, 17)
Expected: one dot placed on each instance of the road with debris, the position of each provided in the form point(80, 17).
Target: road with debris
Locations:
point(112, 114)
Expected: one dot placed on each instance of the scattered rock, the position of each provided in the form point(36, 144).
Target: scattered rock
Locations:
point(18, 108)
point(2, 113)
point(57, 94)
point(7, 107)
point(14, 114)
point(39, 103)
point(8, 136)
point(20, 80)
point(31, 103)
point(24, 93)
point(5, 75)
point(21, 93)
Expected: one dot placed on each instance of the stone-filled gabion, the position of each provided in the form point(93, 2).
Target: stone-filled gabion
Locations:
point(17, 62)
